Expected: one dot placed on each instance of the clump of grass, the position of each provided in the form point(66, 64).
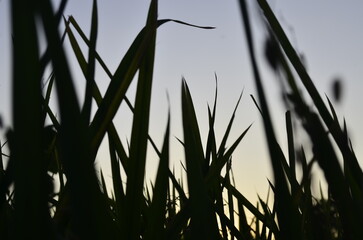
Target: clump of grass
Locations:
point(65, 151)
point(81, 207)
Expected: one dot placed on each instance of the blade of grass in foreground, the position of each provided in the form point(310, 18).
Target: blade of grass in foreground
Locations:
point(91, 215)
point(139, 134)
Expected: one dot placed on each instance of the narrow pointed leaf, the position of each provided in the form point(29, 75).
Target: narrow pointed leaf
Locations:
point(155, 228)
point(140, 127)
point(203, 219)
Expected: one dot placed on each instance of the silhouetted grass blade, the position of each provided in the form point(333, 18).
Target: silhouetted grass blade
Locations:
point(222, 146)
point(117, 182)
point(157, 211)
point(203, 219)
point(86, 111)
point(291, 145)
point(26, 148)
point(139, 134)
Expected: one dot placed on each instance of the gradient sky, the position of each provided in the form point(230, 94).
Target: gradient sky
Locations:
point(328, 34)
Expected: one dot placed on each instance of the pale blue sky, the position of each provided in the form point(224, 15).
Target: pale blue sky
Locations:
point(327, 33)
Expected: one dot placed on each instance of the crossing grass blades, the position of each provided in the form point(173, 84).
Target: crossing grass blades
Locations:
point(208, 205)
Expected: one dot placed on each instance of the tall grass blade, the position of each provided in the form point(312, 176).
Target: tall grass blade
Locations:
point(139, 134)
point(291, 145)
point(155, 228)
point(86, 111)
point(222, 146)
point(203, 220)
point(31, 213)
point(90, 221)
point(116, 180)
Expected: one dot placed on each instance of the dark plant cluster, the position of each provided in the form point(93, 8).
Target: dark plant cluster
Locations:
point(207, 204)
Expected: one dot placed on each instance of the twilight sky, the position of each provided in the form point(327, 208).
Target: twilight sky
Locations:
point(328, 34)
